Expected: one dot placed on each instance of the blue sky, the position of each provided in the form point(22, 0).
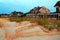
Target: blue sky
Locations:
point(7, 6)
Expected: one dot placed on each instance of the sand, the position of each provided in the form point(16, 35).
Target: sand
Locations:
point(44, 37)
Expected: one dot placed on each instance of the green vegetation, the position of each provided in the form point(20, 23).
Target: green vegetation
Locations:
point(47, 23)
point(58, 25)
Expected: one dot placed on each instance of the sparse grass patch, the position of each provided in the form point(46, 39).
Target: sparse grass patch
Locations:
point(49, 22)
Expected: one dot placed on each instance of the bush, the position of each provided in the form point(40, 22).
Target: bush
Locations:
point(49, 27)
point(58, 25)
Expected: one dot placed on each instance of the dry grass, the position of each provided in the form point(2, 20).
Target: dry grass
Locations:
point(4, 19)
point(44, 22)
point(47, 23)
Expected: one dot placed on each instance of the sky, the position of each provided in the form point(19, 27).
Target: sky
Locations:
point(8, 6)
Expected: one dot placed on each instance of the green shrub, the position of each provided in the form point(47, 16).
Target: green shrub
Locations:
point(49, 27)
point(58, 25)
